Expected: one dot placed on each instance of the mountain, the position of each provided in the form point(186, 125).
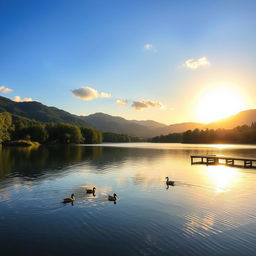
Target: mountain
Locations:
point(181, 127)
point(151, 128)
point(245, 117)
point(242, 118)
point(150, 123)
point(39, 112)
point(108, 123)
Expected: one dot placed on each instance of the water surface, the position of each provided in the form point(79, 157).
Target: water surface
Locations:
point(210, 211)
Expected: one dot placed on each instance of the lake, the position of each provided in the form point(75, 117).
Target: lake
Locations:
point(211, 210)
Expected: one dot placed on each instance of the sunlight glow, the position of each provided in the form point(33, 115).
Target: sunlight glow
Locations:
point(219, 103)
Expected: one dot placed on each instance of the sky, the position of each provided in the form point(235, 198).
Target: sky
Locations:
point(168, 61)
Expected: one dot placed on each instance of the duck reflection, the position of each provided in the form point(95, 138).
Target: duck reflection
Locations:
point(167, 186)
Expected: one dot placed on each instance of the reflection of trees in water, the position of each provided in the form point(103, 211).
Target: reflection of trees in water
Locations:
point(31, 162)
point(5, 163)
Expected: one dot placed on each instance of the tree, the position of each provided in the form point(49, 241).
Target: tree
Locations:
point(64, 133)
point(91, 136)
point(5, 126)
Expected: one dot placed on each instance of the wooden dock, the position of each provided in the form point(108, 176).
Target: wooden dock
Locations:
point(224, 160)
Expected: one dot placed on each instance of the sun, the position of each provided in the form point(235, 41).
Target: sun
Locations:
point(219, 103)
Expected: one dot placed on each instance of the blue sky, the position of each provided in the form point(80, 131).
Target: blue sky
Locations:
point(159, 57)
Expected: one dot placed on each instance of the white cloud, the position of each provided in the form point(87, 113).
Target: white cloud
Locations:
point(19, 99)
point(194, 64)
point(5, 89)
point(82, 114)
point(148, 47)
point(122, 103)
point(144, 104)
point(88, 93)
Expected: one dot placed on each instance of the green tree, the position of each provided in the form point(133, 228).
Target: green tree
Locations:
point(91, 136)
point(64, 133)
point(5, 126)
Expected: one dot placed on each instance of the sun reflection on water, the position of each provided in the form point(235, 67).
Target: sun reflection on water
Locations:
point(223, 178)
point(222, 146)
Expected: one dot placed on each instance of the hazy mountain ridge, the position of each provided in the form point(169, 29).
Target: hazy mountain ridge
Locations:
point(181, 127)
point(149, 123)
point(108, 123)
point(245, 117)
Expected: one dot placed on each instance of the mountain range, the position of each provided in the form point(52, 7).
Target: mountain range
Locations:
point(39, 112)
point(107, 123)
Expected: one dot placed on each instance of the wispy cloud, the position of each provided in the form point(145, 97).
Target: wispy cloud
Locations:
point(196, 63)
point(5, 89)
point(88, 93)
point(19, 99)
point(144, 104)
point(148, 47)
point(122, 103)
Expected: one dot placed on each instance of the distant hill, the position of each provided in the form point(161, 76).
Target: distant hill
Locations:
point(150, 123)
point(177, 128)
point(108, 123)
point(39, 112)
point(150, 128)
point(243, 117)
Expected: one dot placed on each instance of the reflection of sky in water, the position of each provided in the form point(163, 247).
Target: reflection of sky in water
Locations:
point(208, 205)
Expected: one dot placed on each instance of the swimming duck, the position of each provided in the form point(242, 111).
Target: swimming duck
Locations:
point(90, 191)
point(112, 198)
point(169, 182)
point(69, 199)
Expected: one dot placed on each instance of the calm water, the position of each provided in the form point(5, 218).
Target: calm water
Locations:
point(210, 211)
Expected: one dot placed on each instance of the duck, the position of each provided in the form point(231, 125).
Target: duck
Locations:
point(169, 182)
point(69, 199)
point(112, 198)
point(90, 191)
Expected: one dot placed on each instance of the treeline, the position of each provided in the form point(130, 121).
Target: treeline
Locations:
point(14, 128)
point(18, 128)
point(171, 138)
point(117, 137)
point(240, 135)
